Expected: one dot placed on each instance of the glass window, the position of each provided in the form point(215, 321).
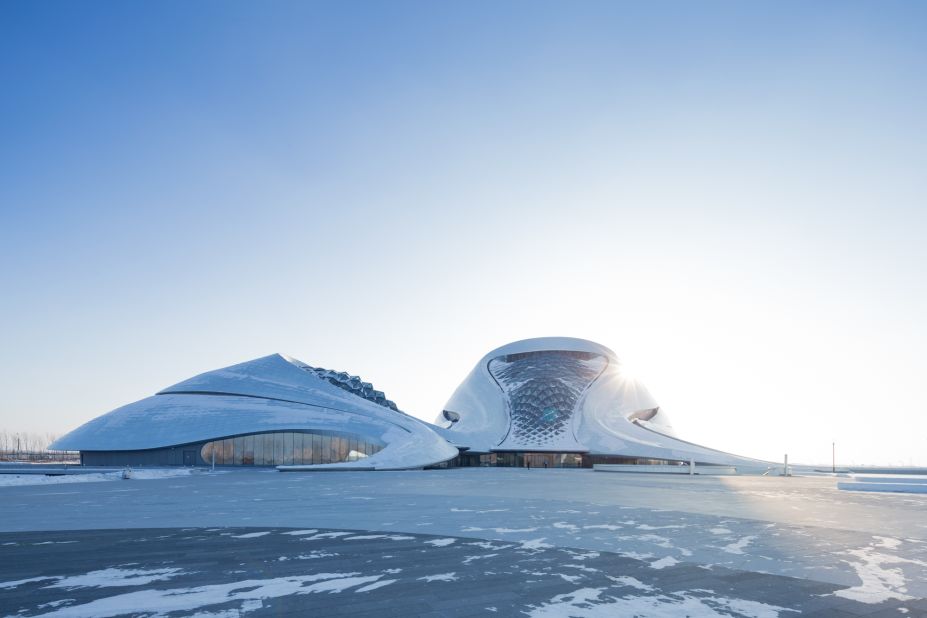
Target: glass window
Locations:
point(247, 459)
point(268, 449)
point(297, 448)
point(278, 449)
point(206, 452)
point(258, 450)
point(238, 446)
point(343, 448)
point(227, 452)
point(326, 449)
point(307, 448)
point(288, 449)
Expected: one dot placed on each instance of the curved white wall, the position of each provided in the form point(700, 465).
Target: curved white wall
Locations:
point(615, 415)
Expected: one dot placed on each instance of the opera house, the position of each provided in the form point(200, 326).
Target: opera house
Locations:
point(548, 402)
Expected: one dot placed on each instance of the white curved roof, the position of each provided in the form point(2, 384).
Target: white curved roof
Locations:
point(271, 393)
point(560, 394)
point(541, 344)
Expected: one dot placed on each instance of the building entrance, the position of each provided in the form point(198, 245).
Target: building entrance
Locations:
point(521, 460)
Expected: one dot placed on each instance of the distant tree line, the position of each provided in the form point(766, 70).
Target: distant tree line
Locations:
point(26, 445)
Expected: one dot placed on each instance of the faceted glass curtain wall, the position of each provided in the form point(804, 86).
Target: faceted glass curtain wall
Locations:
point(542, 389)
point(352, 384)
point(288, 448)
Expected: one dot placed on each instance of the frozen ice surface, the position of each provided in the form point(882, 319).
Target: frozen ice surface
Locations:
point(871, 548)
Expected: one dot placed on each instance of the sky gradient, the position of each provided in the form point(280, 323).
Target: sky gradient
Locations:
point(732, 196)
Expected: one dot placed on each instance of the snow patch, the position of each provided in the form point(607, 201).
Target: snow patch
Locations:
point(499, 530)
point(299, 532)
point(580, 567)
point(469, 559)
point(19, 582)
point(656, 539)
point(249, 594)
point(887, 542)
point(314, 555)
point(662, 563)
point(589, 603)
point(626, 580)
point(250, 535)
point(582, 556)
point(878, 582)
point(488, 545)
point(57, 603)
point(375, 585)
point(738, 547)
point(368, 537)
point(107, 578)
point(535, 544)
point(635, 555)
point(325, 535)
point(440, 577)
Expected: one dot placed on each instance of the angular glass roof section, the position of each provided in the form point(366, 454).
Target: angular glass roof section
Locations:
point(543, 389)
point(352, 384)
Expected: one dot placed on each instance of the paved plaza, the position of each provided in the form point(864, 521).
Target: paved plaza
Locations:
point(461, 542)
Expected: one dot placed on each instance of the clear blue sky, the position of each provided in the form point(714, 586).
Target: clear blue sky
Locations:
point(731, 195)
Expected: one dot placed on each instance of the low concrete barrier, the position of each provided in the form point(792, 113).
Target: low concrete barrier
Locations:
point(902, 488)
point(907, 480)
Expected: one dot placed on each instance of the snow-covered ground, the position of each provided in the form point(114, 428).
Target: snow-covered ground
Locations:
point(11, 480)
